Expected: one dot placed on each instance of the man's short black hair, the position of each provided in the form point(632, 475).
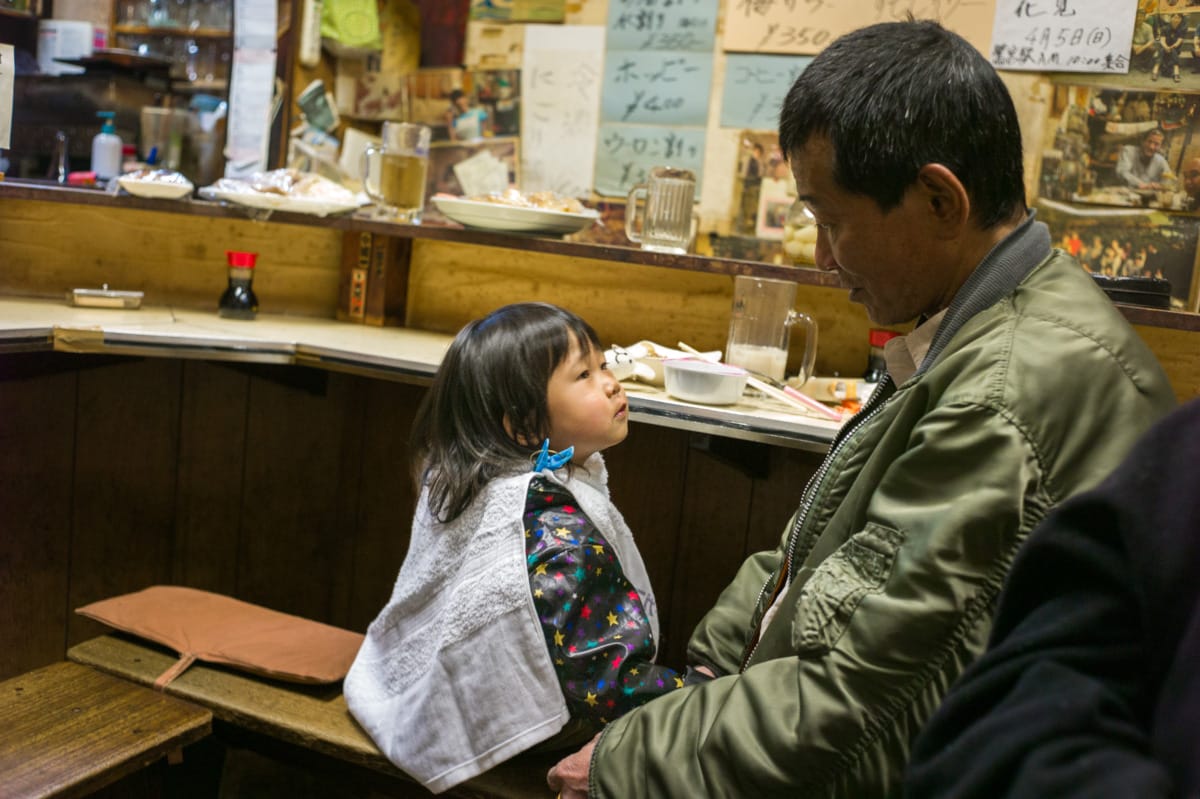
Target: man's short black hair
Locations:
point(896, 96)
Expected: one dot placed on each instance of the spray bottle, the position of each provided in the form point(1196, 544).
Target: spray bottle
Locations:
point(106, 149)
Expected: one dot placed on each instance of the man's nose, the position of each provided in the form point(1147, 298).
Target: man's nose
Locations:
point(823, 255)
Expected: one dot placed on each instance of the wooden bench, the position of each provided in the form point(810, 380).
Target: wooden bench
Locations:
point(311, 719)
point(67, 730)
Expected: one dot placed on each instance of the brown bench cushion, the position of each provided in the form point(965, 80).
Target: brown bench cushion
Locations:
point(201, 625)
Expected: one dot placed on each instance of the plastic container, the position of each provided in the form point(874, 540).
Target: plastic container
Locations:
point(238, 301)
point(704, 382)
point(106, 149)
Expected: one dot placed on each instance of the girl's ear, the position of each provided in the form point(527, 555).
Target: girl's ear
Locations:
point(508, 428)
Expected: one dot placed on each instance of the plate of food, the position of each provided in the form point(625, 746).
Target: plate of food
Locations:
point(160, 183)
point(286, 190)
point(540, 212)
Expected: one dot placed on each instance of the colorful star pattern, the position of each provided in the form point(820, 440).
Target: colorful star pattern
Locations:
point(593, 619)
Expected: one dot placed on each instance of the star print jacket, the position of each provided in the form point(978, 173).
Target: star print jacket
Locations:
point(456, 674)
point(594, 620)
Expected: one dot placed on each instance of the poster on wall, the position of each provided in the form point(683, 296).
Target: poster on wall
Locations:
point(1129, 243)
point(1122, 147)
point(806, 27)
point(1063, 35)
point(561, 69)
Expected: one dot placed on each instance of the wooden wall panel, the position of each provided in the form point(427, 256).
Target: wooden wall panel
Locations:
point(1179, 353)
point(126, 450)
point(451, 284)
point(37, 430)
point(647, 482)
point(710, 544)
point(212, 449)
point(176, 260)
point(377, 481)
point(290, 529)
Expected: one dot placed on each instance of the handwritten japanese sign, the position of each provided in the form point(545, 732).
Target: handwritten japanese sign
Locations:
point(8, 69)
point(688, 25)
point(560, 88)
point(657, 87)
point(805, 27)
point(755, 86)
point(627, 152)
point(1063, 35)
point(657, 81)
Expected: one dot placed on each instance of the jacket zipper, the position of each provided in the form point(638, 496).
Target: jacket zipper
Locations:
point(810, 492)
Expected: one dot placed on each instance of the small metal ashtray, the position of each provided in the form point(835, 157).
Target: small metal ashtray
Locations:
point(105, 298)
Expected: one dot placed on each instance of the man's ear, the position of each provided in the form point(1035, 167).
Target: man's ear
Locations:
point(945, 197)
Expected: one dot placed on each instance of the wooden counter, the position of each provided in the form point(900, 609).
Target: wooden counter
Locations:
point(388, 352)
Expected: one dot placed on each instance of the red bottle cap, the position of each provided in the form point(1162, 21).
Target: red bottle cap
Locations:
point(244, 260)
point(879, 337)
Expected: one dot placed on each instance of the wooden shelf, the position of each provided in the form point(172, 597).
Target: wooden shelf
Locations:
point(124, 29)
point(448, 231)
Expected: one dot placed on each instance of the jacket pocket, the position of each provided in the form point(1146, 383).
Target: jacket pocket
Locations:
point(833, 592)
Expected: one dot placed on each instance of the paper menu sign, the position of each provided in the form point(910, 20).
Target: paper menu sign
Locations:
point(806, 27)
point(8, 68)
point(1063, 35)
point(628, 152)
point(251, 88)
point(656, 83)
point(755, 86)
point(560, 107)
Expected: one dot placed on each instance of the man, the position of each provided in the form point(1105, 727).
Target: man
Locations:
point(1141, 166)
point(1143, 53)
point(1089, 686)
point(1191, 182)
point(1020, 386)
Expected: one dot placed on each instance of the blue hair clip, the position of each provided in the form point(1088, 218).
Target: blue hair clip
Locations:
point(552, 462)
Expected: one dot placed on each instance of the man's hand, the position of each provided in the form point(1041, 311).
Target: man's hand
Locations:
point(570, 776)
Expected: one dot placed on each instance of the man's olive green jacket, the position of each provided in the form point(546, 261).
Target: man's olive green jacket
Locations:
point(1033, 390)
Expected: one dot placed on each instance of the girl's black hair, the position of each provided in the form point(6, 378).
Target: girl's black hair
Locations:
point(497, 367)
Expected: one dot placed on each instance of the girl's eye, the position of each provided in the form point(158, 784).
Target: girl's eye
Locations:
point(585, 374)
point(604, 367)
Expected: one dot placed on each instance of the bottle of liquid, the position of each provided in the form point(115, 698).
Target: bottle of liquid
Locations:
point(238, 301)
point(106, 149)
point(876, 362)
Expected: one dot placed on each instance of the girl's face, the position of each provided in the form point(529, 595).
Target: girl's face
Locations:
point(587, 407)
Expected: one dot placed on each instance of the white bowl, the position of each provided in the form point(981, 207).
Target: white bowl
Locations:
point(704, 382)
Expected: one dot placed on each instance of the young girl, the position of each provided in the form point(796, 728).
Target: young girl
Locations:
point(522, 611)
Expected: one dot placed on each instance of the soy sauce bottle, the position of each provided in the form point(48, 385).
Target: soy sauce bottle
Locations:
point(876, 361)
point(238, 301)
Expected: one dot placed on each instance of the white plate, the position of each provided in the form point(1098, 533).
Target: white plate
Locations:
point(300, 205)
point(513, 218)
point(164, 189)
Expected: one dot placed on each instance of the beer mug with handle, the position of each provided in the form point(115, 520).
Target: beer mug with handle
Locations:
point(394, 171)
point(761, 324)
point(668, 220)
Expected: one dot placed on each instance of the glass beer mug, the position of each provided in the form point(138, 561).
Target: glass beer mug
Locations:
point(394, 171)
point(760, 327)
point(667, 222)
